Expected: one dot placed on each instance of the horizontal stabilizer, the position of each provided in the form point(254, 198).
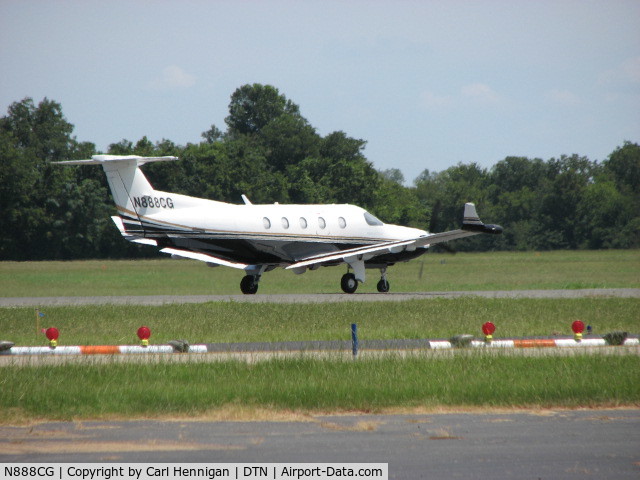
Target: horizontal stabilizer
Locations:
point(102, 159)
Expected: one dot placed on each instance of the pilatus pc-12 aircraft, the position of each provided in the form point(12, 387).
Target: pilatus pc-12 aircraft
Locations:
point(259, 238)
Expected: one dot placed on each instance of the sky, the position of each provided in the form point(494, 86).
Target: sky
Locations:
point(427, 84)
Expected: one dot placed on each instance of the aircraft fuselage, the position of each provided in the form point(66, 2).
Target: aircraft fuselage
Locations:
point(273, 233)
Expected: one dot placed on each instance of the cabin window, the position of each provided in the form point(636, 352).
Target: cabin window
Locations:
point(303, 222)
point(342, 222)
point(266, 222)
point(285, 222)
point(371, 220)
point(321, 223)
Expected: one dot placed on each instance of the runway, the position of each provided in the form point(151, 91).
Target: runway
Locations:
point(557, 444)
point(313, 298)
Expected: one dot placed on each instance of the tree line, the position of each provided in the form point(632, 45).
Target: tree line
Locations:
point(271, 153)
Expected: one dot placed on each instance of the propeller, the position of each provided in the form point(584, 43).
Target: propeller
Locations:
point(433, 228)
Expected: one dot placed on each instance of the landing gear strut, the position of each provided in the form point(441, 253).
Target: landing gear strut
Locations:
point(349, 283)
point(383, 284)
point(249, 284)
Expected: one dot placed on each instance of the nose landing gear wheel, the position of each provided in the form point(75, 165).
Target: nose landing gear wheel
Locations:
point(383, 285)
point(349, 283)
point(248, 285)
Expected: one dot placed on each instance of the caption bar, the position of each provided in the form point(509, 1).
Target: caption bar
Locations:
point(201, 471)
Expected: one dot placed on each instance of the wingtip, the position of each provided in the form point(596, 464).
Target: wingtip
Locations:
point(471, 222)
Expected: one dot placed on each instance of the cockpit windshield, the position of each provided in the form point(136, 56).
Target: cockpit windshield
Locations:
point(371, 220)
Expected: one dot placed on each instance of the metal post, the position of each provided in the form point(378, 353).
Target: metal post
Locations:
point(354, 339)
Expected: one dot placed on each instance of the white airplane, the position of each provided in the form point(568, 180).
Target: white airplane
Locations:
point(259, 238)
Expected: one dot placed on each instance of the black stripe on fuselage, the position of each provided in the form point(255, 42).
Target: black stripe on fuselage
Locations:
point(259, 248)
point(158, 229)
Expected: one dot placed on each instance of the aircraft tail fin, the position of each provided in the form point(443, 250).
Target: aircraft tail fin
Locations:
point(130, 189)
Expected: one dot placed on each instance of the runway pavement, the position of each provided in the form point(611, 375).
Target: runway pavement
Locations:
point(576, 444)
point(312, 298)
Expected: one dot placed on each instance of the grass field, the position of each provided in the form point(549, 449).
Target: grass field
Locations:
point(432, 272)
point(249, 322)
point(305, 385)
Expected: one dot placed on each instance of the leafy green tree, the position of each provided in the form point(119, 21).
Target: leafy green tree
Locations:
point(394, 175)
point(516, 185)
point(451, 189)
point(42, 130)
point(624, 166)
point(123, 147)
point(39, 196)
point(19, 214)
point(397, 204)
point(270, 152)
point(287, 140)
point(253, 107)
point(341, 174)
point(226, 170)
point(621, 216)
point(213, 135)
point(568, 178)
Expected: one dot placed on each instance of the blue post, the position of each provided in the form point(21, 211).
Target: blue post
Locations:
point(354, 339)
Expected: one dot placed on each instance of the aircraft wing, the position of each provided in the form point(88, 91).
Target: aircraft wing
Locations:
point(204, 258)
point(471, 225)
point(345, 255)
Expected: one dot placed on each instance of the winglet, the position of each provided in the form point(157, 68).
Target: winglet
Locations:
point(471, 222)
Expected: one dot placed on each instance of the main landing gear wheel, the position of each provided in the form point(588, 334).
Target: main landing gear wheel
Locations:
point(349, 283)
point(249, 285)
point(383, 285)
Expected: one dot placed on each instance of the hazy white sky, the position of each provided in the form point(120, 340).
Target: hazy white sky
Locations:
point(427, 84)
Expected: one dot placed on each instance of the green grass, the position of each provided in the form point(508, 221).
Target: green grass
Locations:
point(97, 390)
point(249, 322)
point(310, 386)
point(440, 272)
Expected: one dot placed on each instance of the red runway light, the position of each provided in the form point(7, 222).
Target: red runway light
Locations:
point(488, 328)
point(577, 326)
point(143, 334)
point(52, 333)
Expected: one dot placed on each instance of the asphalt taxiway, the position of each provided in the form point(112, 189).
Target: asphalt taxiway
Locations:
point(313, 298)
point(576, 444)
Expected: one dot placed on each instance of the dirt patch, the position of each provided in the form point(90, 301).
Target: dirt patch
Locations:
point(364, 426)
point(443, 434)
point(38, 447)
point(239, 413)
